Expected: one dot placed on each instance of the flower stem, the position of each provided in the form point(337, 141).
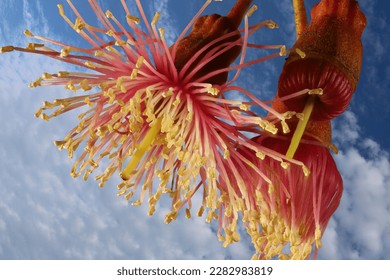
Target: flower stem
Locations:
point(143, 146)
point(301, 127)
point(300, 16)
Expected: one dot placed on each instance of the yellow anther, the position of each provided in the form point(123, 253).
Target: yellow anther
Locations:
point(244, 107)
point(177, 204)
point(221, 238)
point(188, 213)
point(110, 33)
point(162, 32)
point(289, 114)
point(90, 64)
point(84, 84)
point(88, 101)
point(119, 186)
point(45, 117)
point(226, 154)
point(93, 163)
point(60, 143)
point(137, 203)
point(36, 83)
point(229, 211)
point(151, 211)
point(140, 61)
point(300, 53)
point(133, 19)
point(260, 155)
point(32, 46)
point(282, 51)
point(134, 74)
point(102, 183)
point(212, 90)
point(28, 33)
point(155, 18)
point(6, 49)
point(271, 128)
point(171, 216)
point(109, 14)
point(78, 25)
point(333, 148)
point(306, 170)
point(63, 74)
point(99, 53)
point(271, 24)
point(285, 127)
point(61, 9)
point(209, 217)
point(121, 192)
point(120, 43)
point(46, 76)
point(167, 93)
point(48, 105)
point(236, 236)
point(251, 11)
point(81, 116)
point(200, 212)
point(65, 51)
point(271, 188)
point(38, 113)
point(189, 116)
point(177, 101)
point(284, 165)
point(317, 91)
point(103, 86)
point(317, 237)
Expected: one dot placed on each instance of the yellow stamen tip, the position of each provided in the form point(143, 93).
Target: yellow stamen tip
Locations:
point(133, 19)
point(28, 33)
point(252, 10)
point(271, 24)
point(284, 165)
point(155, 18)
point(283, 51)
point(316, 91)
point(285, 127)
point(6, 49)
point(260, 155)
point(61, 9)
point(301, 53)
point(306, 170)
point(334, 148)
point(109, 14)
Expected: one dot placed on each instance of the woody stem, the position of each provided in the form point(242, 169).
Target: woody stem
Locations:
point(300, 16)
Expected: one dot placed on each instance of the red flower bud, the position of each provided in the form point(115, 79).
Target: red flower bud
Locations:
point(327, 55)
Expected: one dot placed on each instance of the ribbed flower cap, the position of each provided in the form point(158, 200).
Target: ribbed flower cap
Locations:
point(327, 55)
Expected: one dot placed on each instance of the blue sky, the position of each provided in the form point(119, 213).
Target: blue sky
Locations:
point(45, 214)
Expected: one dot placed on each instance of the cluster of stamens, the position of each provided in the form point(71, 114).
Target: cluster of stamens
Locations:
point(143, 123)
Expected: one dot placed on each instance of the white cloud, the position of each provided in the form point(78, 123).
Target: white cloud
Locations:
point(46, 214)
point(360, 229)
point(347, 131)
point(34, 17)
